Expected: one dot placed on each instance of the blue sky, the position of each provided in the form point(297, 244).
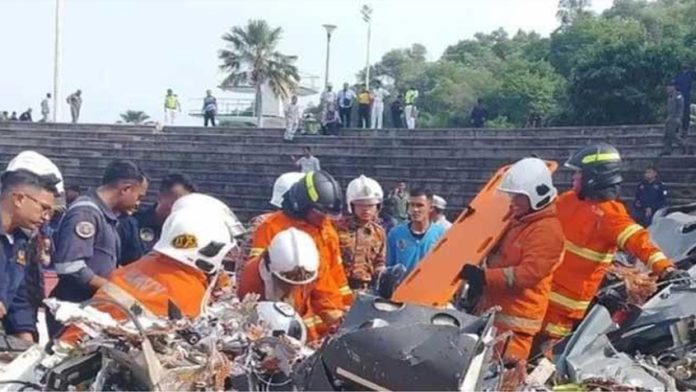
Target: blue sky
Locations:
point(124, 54)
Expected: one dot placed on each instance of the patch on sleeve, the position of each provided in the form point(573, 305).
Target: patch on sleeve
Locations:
point(147, 234)
point(85, 229)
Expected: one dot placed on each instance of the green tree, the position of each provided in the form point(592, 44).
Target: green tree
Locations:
point(134, 117)
point(250, 56)
point(571, 10)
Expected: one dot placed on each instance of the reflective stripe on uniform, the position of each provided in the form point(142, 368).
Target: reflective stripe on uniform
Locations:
point(70, 267)
point(124, 298)
point(589, 254)
point(312, 321)
point(509, 275)
point(515, 322)
point(568, 302)
point(557, 330)
point(345, 290)
point(627, 233)
point(610, 156)
point(311, 189)
point(255, 252)
point(655, 257)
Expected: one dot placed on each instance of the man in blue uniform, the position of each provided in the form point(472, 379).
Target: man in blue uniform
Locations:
point(139, 232)
point(651, 195)
point(30, 186)
point(409, 242)
point(87, 244)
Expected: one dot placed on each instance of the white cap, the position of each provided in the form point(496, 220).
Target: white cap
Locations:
point(38, 164)
point(198, 232)
point(281, 185)
point(439, 202)
point(294, 257)
point(363, 189)
point(531, 177)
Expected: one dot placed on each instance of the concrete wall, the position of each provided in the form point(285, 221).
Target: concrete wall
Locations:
point(240, 165)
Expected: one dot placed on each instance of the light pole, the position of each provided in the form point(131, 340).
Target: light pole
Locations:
point(56, 63)
point(366, 12)
point(329, 29)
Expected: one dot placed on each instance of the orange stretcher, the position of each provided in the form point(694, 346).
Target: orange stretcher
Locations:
point(473, 235)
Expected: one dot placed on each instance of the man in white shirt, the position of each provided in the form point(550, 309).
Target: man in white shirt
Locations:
point(307, 163)
point(45, 108)
point(378, 96)
point(292, 119)
point(346, 99)
point(438, 212)
point(328, 96)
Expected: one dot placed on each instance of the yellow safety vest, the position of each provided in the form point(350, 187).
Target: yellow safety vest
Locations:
point(170, 102)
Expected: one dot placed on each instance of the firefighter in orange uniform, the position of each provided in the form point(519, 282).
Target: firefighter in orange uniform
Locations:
point(518, 274)
point(182, 269)
point(289, 271)
point(596, 225)
point(307, 206)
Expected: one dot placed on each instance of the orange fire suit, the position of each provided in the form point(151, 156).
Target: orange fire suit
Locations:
point(151, 282)
point(594, 231)
point(518, 277)
point(325, 237)
point(242, 256)
point(319, 303)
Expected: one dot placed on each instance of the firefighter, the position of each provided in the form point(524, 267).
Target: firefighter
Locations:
point(517, 277)
point(596, 225)
point(30, 186)
point(308, 205)
point(362, 239)
point(280, 186)
point(289, 271)
point(180, 272)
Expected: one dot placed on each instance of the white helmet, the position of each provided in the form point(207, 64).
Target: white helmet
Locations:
point(197, 200)
point(531, 177)
point(38, 164)
point(198, 232)
point(363, 189)
point(439, 202)
point(280, 317)
point(293, 257)
point(281, 185)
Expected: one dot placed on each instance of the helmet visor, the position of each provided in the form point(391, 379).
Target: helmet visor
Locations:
point(297, 276)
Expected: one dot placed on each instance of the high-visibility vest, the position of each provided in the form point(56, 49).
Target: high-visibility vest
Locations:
point(410, 97)
point(171, 102)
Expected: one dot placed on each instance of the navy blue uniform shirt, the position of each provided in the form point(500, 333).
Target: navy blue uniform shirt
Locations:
point(13, 260)
point(86, 245)
point(138, 234)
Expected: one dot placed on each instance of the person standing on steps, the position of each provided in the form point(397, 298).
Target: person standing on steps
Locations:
point(75, 102)
point(346, 99)
point(364, 100)
point(292, 119)
point(45, 108)
point(675, 110)
point(378, 96)
point(308, 162)
point(171, 107)
point(397, 112)
point(209, 109)
point(410, 107)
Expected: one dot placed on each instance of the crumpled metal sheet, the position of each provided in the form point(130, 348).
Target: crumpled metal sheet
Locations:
point(589, 355)
point(674, 230)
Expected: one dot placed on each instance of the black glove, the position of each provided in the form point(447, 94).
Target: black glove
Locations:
point(389, 279)
point(676, 276)
point(476, 278)
point(614, 299)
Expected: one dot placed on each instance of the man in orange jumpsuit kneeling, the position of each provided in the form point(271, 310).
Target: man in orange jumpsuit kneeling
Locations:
point(290, 271)
point(517, 277)
point(308, 206)
point(596, 225)
point(182, 269)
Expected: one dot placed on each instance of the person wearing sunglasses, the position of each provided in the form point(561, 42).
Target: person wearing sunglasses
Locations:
point(29, 188)
point(87, 242)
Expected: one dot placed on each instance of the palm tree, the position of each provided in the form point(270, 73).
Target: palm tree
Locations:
point(250, 57)
point(134, 117)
